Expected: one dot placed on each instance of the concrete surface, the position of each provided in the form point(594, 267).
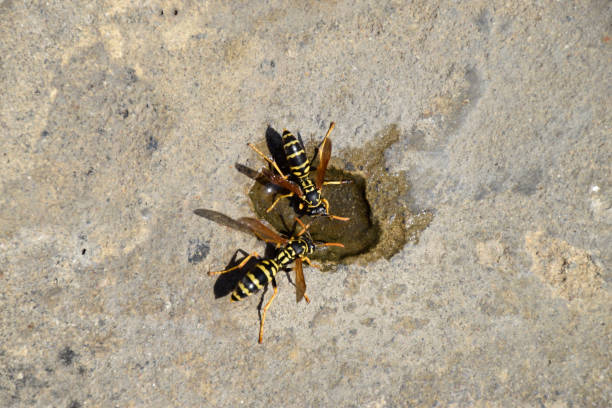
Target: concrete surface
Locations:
point(118, 120)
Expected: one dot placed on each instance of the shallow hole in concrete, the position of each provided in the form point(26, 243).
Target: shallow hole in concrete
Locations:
point(358, 235)
point(376, 202)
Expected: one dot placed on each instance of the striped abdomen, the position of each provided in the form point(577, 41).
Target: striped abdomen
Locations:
point(296, 155)
point(255, 279)
point(300, 168)
point(265, 270)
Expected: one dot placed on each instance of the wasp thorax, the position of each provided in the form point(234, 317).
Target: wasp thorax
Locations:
point(313, 198)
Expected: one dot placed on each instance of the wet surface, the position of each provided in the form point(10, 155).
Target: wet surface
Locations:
point(375, 201)
point(358, 235)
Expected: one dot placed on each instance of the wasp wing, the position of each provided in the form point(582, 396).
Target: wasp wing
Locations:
point(249, 172)
point(282, 182)
point(265, 176)
point(223, 219)
point(262, 231)
point(300, 282)
point(324, 155)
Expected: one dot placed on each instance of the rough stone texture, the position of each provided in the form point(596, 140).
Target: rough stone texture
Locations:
point(118, 120)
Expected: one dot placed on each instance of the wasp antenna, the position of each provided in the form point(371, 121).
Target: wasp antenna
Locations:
point(304, 226)
point(335, 217)
point(334, 244)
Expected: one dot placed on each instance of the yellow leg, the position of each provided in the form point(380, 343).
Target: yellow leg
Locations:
point(327, 183)
point(309, 262)
point(263, 315)
point(333, 217)
point(266, 158)
point(280, 197)
point(240, 265)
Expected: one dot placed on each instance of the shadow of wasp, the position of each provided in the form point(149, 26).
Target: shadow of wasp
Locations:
point(286, 250)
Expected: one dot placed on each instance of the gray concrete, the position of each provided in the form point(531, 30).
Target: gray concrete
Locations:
point(118, 121)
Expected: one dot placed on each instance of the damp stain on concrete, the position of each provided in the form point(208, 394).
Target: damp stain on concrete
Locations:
point(376, 201)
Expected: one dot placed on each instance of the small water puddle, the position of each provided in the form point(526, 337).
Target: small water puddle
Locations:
point(376, 201)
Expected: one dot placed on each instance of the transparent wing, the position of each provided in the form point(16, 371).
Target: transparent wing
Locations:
point(261, 231)
point(284, 183)
point(223, 219)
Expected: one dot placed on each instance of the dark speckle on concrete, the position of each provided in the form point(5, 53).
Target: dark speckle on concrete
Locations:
point(482, 22)
point(197, 251)
point(131, 76)
point(66, 355)
point(267, 67)
point(151, 143)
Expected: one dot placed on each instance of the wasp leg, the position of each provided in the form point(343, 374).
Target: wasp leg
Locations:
point(333, 217)
point(266, 158)
point(263, 315)
point(277, 200)
point(240, 265)
point(327, 183)
point(309, 262)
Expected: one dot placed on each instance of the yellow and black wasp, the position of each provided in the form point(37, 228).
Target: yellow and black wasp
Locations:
point(288, 250)
point(309, 193)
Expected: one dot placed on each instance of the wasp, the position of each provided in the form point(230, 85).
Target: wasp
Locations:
point(309, 193)
point(294, 249)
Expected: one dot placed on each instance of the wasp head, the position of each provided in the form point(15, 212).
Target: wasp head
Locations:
point(303, 245)
point(319, 210)
point(310, 247)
